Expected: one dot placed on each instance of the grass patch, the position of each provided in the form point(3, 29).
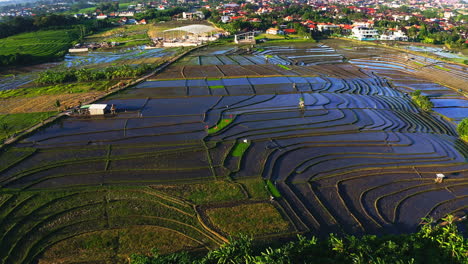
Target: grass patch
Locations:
point(222, 124)
point(15, 123)
point(128, 35)
point(284, 67)
point(135, 220)
point(240, 148)
point(441, 68)
point(69, 88)
point(216, 86)
point(269, 36)
point(251, 219)
point(272, 189)
point(87, 10)
point(255, 187)
point(203, 193)
point(117, 245)
point(213, 79)
point(418, 63)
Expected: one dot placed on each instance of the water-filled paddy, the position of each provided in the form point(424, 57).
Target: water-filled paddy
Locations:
point(358, 157)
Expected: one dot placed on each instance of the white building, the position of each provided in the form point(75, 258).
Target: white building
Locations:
point(97, 109)
point(194, 15)
point(448, 14)
point(326, 27)
point(126, 14)
point(273, 31)
point(101, 16)
point(225, 19)
point(394, 35)
point(365, 33)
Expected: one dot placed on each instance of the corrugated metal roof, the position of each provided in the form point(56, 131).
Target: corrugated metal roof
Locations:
point(97, 106)
point(194, 29)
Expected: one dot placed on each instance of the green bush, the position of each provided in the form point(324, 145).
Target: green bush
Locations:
point(240, 148)
point(462, 128)
point(422, 101)
point(84, 75)
point(432, 244)
point(272, 189)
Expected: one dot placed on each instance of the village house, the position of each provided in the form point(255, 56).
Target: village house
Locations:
point(326, 26)
point(101, 16)
point(289, 31)
point(193, 15)
point(365, 33)
point(225, 19)
point(395, 35)
point(274, 31)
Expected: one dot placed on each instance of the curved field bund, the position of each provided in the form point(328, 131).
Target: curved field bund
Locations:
point(358, 158)
point(304, 56)
point(410, 73)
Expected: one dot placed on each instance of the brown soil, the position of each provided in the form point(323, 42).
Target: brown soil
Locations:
point(44, 103)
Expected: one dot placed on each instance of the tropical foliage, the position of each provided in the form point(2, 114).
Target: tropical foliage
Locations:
point(84, 75)
point(432, 244)
point(462, 129)
point(422, 101)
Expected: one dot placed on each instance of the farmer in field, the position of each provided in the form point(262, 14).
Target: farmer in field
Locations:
point(301, 103)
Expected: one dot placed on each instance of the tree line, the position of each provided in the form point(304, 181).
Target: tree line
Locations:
point(432, 244)
point(85, 75)
point(21, 24)
point(155, 15)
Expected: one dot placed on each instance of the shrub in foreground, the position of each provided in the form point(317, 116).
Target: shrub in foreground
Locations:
point(432, 244)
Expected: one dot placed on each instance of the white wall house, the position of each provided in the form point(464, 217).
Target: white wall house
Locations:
point(96, 109)
point(394, 35)
point(365, 33)
point(274, 31)
point(225, 19)
point(322, 27)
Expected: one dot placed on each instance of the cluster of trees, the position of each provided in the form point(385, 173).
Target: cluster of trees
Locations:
point(433, 244)
point(108, 6)
point(85, 75)
point(16, 58)
point(422, 101)
point(155, 15)
point(15, 25)
point(21, 24)
point(462, 129)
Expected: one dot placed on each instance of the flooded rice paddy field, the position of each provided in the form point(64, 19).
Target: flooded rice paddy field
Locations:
point(136, 55)
point(127, 56)
point(282, 55)
point(360, 157)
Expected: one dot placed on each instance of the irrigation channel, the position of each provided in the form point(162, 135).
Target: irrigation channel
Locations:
point(359, 157)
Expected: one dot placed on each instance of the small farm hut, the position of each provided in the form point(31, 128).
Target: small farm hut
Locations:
point(96, 109)
point(439, 177)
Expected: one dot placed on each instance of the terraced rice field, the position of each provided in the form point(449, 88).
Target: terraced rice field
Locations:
point(416, 70)
point(137, 55)
point(360, 157)
point(281, 55)
point(47, 43)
